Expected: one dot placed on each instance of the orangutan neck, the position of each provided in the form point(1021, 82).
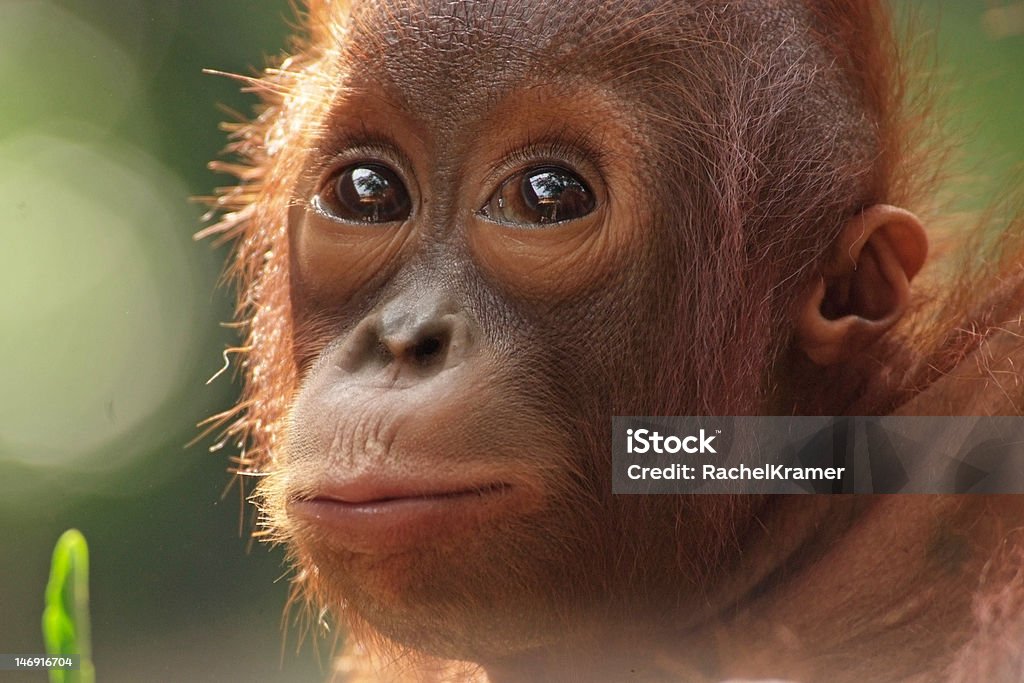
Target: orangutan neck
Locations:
point(870, 597)
point(878, 604)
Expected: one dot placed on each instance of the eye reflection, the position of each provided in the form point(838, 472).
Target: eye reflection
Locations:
point(540, 196)
point(365, 193)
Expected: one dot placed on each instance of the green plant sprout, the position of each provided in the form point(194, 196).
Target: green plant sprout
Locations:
point(66, 616)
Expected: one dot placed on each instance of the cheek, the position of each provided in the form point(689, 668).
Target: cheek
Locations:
point(549, 264)
point(619, 341)
point(560, 262)
point(329, 260)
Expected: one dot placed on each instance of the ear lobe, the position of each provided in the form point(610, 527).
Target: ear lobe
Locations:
point(863, 287)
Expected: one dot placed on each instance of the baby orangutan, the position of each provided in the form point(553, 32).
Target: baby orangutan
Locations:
point(469, 233)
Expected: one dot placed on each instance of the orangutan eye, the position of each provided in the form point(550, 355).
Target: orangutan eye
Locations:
point(364, 193)
point(540, 196)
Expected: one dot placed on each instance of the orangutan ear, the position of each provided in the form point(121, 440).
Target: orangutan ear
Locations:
point(864, 285)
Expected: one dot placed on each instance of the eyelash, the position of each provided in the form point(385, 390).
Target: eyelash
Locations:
point(556, 148)
point(357, 148)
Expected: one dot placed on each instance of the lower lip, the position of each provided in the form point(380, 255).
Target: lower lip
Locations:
point(397, 523)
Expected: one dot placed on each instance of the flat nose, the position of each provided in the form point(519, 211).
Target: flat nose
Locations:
point(417, 339)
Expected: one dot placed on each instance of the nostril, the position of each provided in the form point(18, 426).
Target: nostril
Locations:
point(428, 350)
point(421, 345)
point(383, 353)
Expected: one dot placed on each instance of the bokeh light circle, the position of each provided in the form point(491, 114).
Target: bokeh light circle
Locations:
point(96, 293)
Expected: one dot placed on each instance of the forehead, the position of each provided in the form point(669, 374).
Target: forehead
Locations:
point(445, 54)
point(453, 27)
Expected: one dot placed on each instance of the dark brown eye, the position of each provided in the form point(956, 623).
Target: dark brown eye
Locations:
point(365, 193)
point(540, 196)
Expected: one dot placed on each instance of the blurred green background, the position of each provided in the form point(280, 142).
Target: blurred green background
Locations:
point(109, 315)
